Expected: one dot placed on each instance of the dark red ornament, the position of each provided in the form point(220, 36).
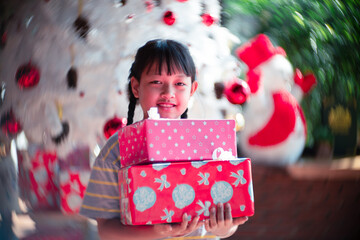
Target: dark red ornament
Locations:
point(27, 76)
point(81, 94)
point(237, 91)
point(71, 78)
point(82, 26)
point(207, 19)
point(9, 124)
point(169, 18)
point(112, 125)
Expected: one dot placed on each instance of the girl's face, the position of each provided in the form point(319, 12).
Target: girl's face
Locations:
point(169, 93)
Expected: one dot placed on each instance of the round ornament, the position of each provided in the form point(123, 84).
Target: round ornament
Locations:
point(112, 125)
point(169, 18)
point(237, 91)
point(27, 76)
point(207, 19)
point(9, 124)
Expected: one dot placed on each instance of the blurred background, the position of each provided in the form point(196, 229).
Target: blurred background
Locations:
point(63, 72)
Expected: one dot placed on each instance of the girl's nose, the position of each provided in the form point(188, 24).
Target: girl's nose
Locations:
point(167, 91)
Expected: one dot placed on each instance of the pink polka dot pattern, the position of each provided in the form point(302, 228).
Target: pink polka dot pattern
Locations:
point(174, 140)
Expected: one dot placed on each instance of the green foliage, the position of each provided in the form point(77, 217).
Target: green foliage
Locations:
point(318, 36)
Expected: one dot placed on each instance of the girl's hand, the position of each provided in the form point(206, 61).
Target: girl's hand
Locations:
point(178, 230)
point(221, 222)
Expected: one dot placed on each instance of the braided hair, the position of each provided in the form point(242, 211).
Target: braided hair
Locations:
point(165, 53)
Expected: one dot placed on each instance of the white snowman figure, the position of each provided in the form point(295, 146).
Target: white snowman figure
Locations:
point(275, 127)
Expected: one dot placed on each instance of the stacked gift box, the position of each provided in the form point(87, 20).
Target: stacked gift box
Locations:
point(48, 182)
point(170, 167)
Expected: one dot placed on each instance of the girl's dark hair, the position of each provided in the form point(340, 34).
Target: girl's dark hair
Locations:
point(172, 54)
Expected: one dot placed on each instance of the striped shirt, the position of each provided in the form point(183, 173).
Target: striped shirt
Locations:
point(102, 199)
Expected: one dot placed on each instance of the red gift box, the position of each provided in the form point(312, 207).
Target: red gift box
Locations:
point(74, 176)
point(73, 184)
point(38, 179)
point(176, 140)
point(163, 192)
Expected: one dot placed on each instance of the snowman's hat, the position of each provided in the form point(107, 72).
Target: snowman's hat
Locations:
point(257, 51)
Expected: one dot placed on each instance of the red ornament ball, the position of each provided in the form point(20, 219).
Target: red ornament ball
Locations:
point(207, 19)
point(169, 18)
point(9, 124)
point(182, 0)
point(27, 76)
point(237, 91)
point(112, 125)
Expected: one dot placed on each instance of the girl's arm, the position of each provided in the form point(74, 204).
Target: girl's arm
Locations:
point(113, 229)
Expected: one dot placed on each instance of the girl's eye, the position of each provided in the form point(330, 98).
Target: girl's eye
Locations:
point(155, 82)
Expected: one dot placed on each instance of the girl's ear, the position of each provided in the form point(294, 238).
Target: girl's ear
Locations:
point(135, 86)
point(194, 86)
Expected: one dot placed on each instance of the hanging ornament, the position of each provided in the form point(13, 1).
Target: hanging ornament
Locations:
point(64, 133)
point(81, 94)
point(119, 3)
point(182, 0)
point(149, 5)
point(112, 125)
point(129, 18)
point(237, 91)
point(65, 126)
point(219, 89)
point(81, 24)
point(207, 19)
point(72, 73)
point(27, 76)
point(9, 125)
point(169, 18)
point(72, 78)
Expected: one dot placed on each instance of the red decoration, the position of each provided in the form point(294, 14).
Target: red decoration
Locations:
point(27, 76)
point(277, 130)
point(237, 91)
point(169, 18)
point(182, 0)
point(257, 51)
point(81, 94)
point(306, 82)
point(112, 125)
point(9, 125)
point(207, 19)
point(253, 80)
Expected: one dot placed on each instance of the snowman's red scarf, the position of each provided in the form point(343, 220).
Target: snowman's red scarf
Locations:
point(281, 123)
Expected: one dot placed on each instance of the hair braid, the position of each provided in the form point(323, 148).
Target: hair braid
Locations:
point(184, 115)
point(132, 105)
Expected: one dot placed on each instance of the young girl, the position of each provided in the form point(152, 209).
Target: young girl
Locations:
point(162, 76)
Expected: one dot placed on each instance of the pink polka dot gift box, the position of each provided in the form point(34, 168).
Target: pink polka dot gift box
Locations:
point(163, 192)
point(163, 140)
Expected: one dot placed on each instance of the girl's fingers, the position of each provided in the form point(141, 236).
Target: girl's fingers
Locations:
point(184, 222)
point(228, 216)
point(212, 218)
point(220, 214)
point(240, 220)
point(207, 225)
point(193, 224)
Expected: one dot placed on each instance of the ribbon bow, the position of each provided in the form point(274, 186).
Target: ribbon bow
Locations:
point(220, 154)
point(153, 113)
point(163, 182)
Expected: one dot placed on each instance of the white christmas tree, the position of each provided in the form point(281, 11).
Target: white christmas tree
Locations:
point(82, 52)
